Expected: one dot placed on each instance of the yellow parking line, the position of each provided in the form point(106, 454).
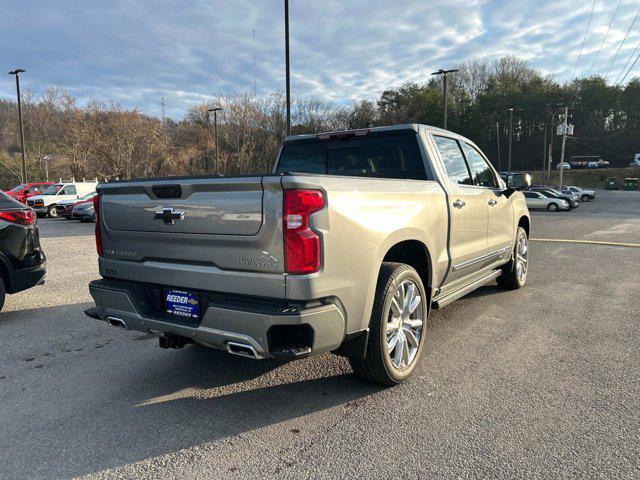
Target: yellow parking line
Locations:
point(589, 242)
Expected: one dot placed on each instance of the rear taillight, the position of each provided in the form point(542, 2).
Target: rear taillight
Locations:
point(21, 217)
point(302, 245)
point(96, 208)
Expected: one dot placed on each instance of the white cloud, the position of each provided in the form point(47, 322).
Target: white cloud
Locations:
point(137, 52)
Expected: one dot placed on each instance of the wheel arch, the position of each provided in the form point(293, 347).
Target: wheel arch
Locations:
point(4, 271)
point(525, 223)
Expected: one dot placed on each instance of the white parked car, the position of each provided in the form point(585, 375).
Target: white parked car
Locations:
point(537, 200)
point(45, 204)
point(584, 195)
point(563, 166)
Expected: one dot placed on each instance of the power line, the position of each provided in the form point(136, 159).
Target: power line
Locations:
point(621, 44)
point(630, 68)
point(584, 39)
point(616, 84)
point(606, 136)
point(599, 149)
point(629, 59)
point(605, 37)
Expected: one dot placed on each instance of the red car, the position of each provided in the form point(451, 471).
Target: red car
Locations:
point(26, 190)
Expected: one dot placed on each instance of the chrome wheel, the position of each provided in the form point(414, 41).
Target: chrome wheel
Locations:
point(522, 253)
point(404, 325)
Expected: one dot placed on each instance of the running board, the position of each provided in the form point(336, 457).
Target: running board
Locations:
point(453, 296)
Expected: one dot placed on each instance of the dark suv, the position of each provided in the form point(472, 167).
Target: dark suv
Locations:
point(22, 261)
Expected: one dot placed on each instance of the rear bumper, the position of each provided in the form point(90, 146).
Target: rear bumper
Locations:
point(25, 278)
point(129, 303)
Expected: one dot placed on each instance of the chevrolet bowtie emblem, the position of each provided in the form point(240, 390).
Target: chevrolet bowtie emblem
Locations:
point(169, 215)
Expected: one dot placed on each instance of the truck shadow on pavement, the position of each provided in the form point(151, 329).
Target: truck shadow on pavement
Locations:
point(131, 401)
point(209, 395)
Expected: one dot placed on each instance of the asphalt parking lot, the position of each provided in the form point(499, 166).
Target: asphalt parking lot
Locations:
point(541, 382)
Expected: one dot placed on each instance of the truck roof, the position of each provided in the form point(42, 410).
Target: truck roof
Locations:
point(389, 128)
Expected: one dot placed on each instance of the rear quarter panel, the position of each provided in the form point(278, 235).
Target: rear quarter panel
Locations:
point(362, 219)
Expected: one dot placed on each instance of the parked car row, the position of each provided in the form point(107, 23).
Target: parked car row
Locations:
point(77, 209)
point(557, 198)
point(65, 193)
point(583, 164)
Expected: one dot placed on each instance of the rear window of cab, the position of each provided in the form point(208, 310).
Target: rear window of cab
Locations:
point(384, 156)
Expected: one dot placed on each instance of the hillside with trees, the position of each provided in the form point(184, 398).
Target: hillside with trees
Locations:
point(108, 141)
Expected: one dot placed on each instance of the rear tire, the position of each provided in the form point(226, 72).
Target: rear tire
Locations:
point(513, 277)
point(2, 293)
point(397, 326)
point(553, 207)
point(586, 198)
point(52, 212)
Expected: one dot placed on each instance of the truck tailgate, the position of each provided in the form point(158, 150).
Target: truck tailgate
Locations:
point(218, 207)
point(198, 232)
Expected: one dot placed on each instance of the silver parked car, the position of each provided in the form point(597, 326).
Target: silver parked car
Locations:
point(84, 212)
point(538, 200)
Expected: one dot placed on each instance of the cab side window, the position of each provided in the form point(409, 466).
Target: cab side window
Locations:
point(69, 190)
point(453, 159)
point(480, 170)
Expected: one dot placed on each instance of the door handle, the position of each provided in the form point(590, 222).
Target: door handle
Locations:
point(492, 202)
point(458, 203)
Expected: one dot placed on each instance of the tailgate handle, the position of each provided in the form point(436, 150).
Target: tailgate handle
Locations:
point(167, 191)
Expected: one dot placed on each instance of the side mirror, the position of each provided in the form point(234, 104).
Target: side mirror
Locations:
point(518, 181)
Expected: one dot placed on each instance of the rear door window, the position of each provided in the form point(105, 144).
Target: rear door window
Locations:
point(386, 156)
point(453, 159)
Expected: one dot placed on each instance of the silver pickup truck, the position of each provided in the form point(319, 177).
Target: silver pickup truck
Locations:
point(344, 248)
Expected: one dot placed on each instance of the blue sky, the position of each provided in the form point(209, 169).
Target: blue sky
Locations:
point(134, 52)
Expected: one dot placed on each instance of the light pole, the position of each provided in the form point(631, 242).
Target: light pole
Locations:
point(510, 138)
point(17, 73)
point(215, 132)
point(288, 73)
point(444, 83)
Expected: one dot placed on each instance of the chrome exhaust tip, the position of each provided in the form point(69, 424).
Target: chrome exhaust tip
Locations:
point(117, 322)
point(242, 350)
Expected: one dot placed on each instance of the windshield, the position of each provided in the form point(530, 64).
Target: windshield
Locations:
point(391, 155)
point(52, 190)
point(89, 196)
point(18, 188)
point(547, 194)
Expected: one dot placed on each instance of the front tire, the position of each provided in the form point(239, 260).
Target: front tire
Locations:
point(514, 273)
point(586, 198)
point(52, 212)
point(553, 207)
point(396, 328)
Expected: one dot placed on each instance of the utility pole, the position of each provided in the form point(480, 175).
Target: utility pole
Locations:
point(550, 161)
point(444, 74)
point(254, 63)
point(564, 141)
point(544, 152)
point(498, 142)
point(287, 65)
point(163, 105)
point(215, 134)
point(510, 138)
point(17, 73)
